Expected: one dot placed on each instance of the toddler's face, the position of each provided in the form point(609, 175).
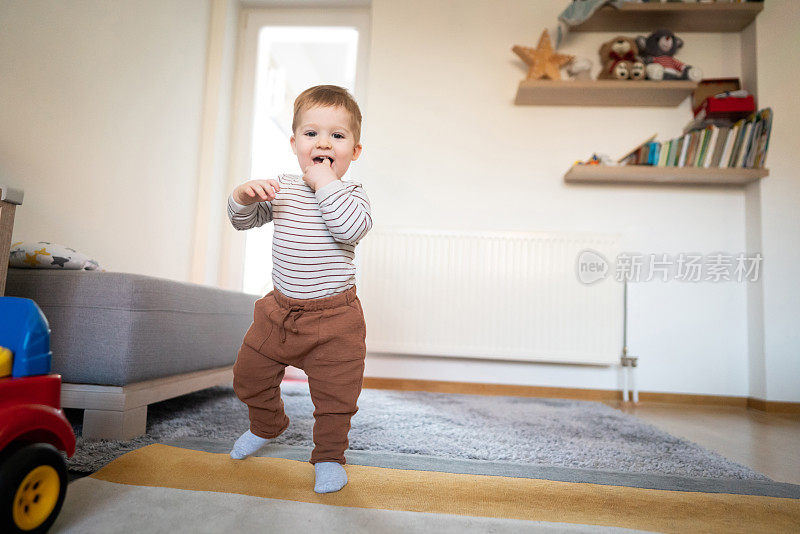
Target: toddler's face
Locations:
point(324, 133)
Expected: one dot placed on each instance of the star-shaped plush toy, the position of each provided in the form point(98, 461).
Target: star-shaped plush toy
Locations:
point(543, 62)
point(58, 260)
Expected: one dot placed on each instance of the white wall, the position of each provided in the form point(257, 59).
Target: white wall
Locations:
point(444, 147)
point(778, 26)
point(100, 120)
point(100, 109)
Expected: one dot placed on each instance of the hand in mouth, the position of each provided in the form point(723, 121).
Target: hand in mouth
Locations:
point(323, 159)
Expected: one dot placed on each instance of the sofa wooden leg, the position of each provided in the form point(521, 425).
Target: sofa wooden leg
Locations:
point(113, 424)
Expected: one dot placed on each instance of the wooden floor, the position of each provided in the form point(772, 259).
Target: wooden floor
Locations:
point(766, 442)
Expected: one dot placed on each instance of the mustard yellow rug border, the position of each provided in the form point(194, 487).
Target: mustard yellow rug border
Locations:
point(449, 493)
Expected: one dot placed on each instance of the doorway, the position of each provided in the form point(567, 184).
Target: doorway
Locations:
point(285, 52)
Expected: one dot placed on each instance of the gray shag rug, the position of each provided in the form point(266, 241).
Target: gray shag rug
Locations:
point(545, 432)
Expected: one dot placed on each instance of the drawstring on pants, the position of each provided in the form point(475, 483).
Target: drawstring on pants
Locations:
point(291, 314)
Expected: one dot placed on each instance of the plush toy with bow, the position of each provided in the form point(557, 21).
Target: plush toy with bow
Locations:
point(619, 60)
point(658, 50)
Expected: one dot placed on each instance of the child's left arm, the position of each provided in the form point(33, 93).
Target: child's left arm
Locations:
point(346, 211)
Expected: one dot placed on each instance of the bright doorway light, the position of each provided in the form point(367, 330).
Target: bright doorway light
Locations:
point(290, 59)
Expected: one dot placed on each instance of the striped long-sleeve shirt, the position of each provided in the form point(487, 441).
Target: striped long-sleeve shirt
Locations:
point(316, 233)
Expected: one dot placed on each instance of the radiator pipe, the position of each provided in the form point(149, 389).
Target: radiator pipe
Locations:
point(625, 318)
point(628, 362)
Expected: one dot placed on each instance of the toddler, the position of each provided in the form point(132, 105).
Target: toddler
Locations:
point(313, 319)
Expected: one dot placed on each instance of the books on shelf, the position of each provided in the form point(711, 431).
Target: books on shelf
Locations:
point(743, 144)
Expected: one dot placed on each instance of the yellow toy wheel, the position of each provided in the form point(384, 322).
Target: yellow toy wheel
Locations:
point(36, 497)
point(6, 362)
point(33, 482)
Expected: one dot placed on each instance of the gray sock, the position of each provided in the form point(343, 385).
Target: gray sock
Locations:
point(247, 444)
point(330, 477)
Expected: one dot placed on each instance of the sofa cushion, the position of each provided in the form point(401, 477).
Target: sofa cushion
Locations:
point(115, 329)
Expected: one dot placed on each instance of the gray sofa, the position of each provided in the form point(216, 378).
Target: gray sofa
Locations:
point(123, 341)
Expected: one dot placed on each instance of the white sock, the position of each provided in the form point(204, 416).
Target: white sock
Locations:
point(247, 444)
point(330, 477)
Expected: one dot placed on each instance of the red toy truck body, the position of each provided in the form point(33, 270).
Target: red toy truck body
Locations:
point(30, 412)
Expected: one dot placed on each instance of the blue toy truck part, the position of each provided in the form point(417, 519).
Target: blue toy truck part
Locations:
point(25, 331)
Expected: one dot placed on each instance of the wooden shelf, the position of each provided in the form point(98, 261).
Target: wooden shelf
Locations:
point(644, 174)
point(678, 17)
point(603, 93)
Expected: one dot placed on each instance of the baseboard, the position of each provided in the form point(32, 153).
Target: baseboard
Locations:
point(773, 406)
point(439, 386)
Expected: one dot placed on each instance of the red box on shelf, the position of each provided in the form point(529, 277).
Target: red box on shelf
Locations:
point(709, 87)
point(730, 107)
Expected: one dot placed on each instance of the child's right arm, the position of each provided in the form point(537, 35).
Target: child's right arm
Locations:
point(250, 204)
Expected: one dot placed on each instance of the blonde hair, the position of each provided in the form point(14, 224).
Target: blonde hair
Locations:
point(328, 95)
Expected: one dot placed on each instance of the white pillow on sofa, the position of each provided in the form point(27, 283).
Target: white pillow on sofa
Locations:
point(44, 255)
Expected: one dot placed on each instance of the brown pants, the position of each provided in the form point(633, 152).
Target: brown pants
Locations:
point(325, 338)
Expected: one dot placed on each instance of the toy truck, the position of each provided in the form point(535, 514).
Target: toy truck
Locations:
point(33, 429)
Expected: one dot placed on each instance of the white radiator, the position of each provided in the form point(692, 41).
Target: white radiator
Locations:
point(506, 296)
